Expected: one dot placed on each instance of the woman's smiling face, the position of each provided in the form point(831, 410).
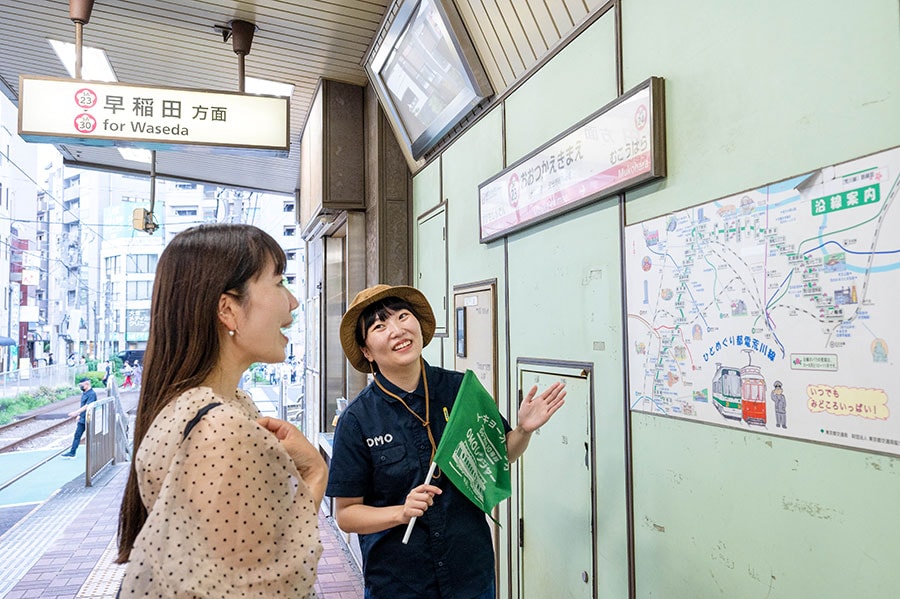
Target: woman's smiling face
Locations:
point(267, 310)
point(394, 342)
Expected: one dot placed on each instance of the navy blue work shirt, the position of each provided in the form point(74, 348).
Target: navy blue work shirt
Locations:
point(89, 396)
point(381, 452)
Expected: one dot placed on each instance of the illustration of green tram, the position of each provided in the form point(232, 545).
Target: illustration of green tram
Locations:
point(740, 393)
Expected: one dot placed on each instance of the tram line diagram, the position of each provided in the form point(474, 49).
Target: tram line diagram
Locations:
point(772, 309)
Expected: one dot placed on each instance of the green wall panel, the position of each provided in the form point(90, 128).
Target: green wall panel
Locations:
point(430, 253)
point(427, 188)
point(761, 91)
point(565, 304)
point(720, 513)
point(431, 264)
point(434, 352)
point(757, 92)
point(468, 163)
point(576, 82)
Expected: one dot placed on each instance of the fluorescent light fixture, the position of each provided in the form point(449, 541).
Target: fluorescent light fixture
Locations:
point(94, 63)
point(136, 155)
point(252, 85)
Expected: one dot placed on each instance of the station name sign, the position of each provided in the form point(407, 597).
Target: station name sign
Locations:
point(619, 147)
point(94, 113)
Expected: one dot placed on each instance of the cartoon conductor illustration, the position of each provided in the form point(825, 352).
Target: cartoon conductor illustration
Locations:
point(780, 406)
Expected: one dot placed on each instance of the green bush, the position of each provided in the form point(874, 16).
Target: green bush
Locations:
point(11, 407)
point(96, 377)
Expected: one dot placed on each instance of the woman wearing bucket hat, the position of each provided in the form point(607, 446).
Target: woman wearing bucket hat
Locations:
point(383, 446)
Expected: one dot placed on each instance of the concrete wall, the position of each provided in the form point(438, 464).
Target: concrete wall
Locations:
point(755, 92)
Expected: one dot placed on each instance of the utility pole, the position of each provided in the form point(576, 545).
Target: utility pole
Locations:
point(9, 328)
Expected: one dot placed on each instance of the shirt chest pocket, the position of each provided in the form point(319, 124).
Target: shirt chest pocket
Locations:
point(391, 465)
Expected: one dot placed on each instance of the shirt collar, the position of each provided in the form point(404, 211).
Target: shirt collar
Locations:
point(419, 392)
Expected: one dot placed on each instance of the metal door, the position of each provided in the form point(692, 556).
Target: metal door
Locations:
point(431, 263)
point(556, 502)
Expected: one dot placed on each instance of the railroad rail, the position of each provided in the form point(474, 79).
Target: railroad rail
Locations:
point(8, 430)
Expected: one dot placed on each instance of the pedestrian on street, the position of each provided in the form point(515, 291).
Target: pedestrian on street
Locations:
point(88, 396)
point(127, 370)
point(137, 374)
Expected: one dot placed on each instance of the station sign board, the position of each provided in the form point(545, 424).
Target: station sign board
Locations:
point(53, 110)
point(618, 147)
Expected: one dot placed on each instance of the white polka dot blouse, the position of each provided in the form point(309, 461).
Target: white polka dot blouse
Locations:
point(228, 513)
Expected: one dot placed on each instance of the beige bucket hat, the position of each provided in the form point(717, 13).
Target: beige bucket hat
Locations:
point(369, 296)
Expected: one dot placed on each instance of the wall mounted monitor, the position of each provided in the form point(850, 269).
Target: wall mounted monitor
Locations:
point(426, 73)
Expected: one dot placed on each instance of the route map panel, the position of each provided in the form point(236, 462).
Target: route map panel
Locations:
point(774, 310)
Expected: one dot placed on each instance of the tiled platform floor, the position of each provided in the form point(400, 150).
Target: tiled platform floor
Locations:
point(64, 549)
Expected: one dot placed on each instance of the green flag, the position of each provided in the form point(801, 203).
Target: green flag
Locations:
point(472, 452)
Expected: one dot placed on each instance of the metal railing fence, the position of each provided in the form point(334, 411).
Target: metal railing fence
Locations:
point(108, 439)
point(29, 380)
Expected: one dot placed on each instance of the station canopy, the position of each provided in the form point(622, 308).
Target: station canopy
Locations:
point(182, 44)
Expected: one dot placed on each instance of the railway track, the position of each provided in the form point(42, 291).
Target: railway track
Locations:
point(43, 424)
point(27, 430)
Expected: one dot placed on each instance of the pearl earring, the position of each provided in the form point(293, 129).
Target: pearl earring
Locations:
point(231, 333)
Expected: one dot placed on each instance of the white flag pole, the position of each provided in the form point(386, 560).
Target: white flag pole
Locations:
point(412, 521)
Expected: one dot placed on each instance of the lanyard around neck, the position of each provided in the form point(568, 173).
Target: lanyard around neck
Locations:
point(426, 422)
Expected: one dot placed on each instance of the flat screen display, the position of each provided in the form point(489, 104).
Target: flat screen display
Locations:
point(428, 76)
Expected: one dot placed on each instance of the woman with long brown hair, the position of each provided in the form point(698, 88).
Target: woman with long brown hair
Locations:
point(219, 501)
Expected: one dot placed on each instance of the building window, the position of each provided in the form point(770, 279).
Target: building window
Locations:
point(138, 290)
point(112, 265)
point(186, 211)
point(289, 206)
point(289, 231)
point(292, 255)
point(142, 263)
point(290, 279)
point(185, 186)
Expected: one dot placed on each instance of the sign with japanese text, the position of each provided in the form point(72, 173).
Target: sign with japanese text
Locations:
point(31, 276)
point(95, 113)
point(620, 146)
point(137, 325)
point(845, 199)
point(754, 312)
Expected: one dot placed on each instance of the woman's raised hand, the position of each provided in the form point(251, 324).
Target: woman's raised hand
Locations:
point(306, 457)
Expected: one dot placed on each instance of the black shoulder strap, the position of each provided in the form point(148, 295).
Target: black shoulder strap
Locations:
point(200, 413)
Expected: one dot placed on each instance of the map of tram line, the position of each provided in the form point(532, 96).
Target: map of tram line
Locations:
point(773, 310)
